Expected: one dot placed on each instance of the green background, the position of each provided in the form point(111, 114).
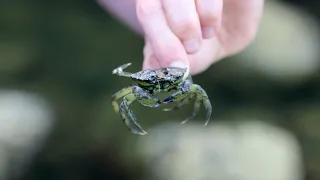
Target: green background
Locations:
point(66, 50)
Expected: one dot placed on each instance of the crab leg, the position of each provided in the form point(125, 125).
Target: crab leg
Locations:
point(130, 94)
point(123, 108)
point(180, 103)
point(187, 88)
point(145, 98)
point(119, 95)
point(183, 101)
point(126, 120)
point(127, 100)
point(196, 109)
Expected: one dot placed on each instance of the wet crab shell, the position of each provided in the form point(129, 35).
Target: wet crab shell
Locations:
point(167, 74)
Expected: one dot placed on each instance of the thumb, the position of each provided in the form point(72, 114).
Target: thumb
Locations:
point(151, 61)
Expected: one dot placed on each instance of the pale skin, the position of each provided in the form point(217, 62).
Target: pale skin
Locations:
point(189, 33)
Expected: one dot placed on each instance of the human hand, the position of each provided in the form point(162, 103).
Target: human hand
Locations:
point(194, 33)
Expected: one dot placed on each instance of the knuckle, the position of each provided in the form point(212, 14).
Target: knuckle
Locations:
point(209, 18)
point(210, 12)
point(186, 29)
point(147, 7)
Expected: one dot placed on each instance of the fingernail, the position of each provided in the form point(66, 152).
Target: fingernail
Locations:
point(178, 64)
point(192, 45)
point(207, 32)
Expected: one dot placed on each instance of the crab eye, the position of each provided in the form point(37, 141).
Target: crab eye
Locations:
point(152, 78)
point(165, 72)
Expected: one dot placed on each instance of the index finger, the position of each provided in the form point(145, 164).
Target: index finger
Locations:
point(167, 48)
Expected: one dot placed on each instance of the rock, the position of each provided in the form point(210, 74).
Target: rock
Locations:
point(25, 120)
point(286, 48)
point(247, 151)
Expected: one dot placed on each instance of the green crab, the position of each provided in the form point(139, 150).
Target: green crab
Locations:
point(150, 82)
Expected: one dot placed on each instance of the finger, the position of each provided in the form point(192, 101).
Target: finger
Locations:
point(208, 54)
point(166, 47)
point(150, 61)
point(183, 20)
point(210, 14)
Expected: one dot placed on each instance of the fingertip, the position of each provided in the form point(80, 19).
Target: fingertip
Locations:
point(207, 32)
point(178, 64)
point(192, 46)
point(154, 63)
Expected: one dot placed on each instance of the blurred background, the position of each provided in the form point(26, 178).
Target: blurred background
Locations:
point(57, 122)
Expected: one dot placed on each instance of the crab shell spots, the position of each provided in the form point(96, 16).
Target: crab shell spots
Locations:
point(164, 74)
point(143, 75)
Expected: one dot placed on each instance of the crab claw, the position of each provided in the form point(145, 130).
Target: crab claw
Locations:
point(119, 69)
